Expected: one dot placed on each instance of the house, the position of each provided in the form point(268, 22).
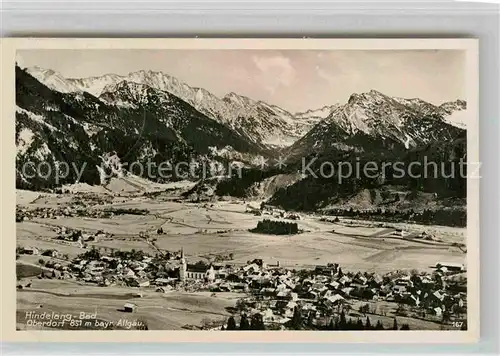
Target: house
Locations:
point(143, 282)
point(164, 289)
point(31, 251)
point(427, 281)
point(283, 320)
point(404, 281)
point(281, 287)
point(163, 281)
point(415, 300)
point(275, 265)
point(51, 253)
point(268, 292)
point(309, 307)
point(334, 285)
point(399, 288)
point(344, 280)
point(322, 279)
point(451, 266)
point(290, 284)
point(400, 233)
point(310, 295)
point(325, 270)
point(318, 287)
point(347, 290)
point(334, 300)
point(224, 287)
point(358, 286)
point(293, 216)
point(286, 295)
point(108, 259)
point(259, 262)
point(129, 307)
point(359, 279)
point(438, 311)
point(239, 286)
point(129, 273)
point(288, 313)
point(439, 296)
point(267, 315)
point(251, 268)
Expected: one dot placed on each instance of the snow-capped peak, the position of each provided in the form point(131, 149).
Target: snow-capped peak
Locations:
point(457, 114)
point(321, 113)
point(52, 79)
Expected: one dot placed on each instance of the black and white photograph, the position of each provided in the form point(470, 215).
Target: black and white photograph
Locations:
point(250, 189)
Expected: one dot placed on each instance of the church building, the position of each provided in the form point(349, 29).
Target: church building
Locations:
point(195, 271)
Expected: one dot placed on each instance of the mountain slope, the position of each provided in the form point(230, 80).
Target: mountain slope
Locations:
point(376, 123)
point(79, 129)
point(258, 121)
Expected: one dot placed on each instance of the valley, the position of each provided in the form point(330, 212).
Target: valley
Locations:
point(205, 231)
point(237, 228)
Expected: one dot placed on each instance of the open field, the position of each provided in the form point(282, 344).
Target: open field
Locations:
point(172, 310)
point(159, 310)
point(205, 230)
point(386, 312)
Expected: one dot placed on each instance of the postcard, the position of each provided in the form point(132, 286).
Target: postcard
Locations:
point(240, 190)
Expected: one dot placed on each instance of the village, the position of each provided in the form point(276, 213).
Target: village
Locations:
point(273, 293)
point(261, 266)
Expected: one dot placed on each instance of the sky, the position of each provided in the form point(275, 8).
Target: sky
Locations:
point(296, 80)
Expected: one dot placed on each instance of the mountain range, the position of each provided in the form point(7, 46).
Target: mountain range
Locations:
point(149, 115)
point(258, 121)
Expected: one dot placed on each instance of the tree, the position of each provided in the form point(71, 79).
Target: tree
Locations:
point(296, 321)
point(350, 325)
point(93, 254)
point(240, 305)
point(257, 322)
point(310, 320)
point(368, 324)
point(395, 325)
point(446, 317)
point(231, 323)
point(342, 321)
point(244, 324)
point(365, 308)
point(379, 325)
point(359, 325)
point(340, 273)
point(401, 310)
point(405, 327)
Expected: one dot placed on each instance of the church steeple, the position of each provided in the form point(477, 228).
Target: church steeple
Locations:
point(183, 267)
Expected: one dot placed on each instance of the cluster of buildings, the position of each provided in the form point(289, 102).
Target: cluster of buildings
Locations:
point(80, 237)
point(271, 211)
point(56, 212)
point(274, 291)
point(270, 290)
